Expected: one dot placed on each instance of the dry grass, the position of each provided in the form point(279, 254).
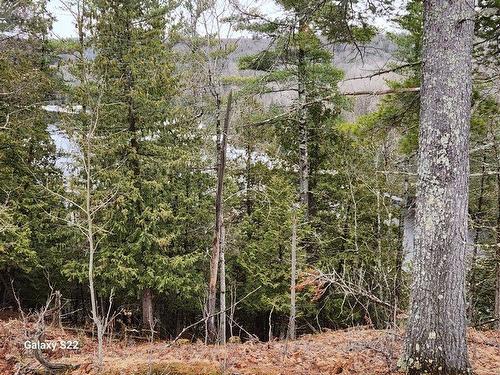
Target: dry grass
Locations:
point(354, 351)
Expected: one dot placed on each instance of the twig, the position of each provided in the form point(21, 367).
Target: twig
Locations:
point(329, 97)
point(209, 316)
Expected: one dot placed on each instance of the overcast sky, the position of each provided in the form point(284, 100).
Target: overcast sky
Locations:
point(64, 25)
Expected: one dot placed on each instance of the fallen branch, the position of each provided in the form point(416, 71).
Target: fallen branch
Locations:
point(51, 367)
point(489, 321)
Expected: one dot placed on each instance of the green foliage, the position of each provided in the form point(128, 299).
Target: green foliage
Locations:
point(156, 94)
point(31, 235)
point(148, 188)
point(488, 34)
point(263, 61)
point(264, 240)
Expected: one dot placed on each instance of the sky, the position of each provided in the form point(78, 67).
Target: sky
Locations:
point(64, 25)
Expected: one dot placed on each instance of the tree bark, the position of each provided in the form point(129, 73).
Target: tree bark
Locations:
point(214, 261)
point(147, 308)
point(497, 257)
point(398, 281)
point(248, 179)
point(56, 315)
point(302, 122)
point(222, 330)
point(478, 224)
point(436, 334)
point(291, 324)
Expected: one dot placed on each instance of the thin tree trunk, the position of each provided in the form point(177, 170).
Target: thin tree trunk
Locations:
point(291, 325)
point(400, 252)
point(478, 217)
point(436, 333)
point(248, 179)
point(90, 238)
point(270, 336)
point(56, 315)
point(214, 261)
point(497, 258)
point(222, 333)
point(302, 122)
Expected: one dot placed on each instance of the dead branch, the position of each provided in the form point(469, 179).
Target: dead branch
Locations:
point(204, 319)
point(50, 367)
point(323, 281)
point(386, 71)
point(289, 113)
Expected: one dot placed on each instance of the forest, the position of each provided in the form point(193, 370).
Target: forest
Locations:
point(250, 187)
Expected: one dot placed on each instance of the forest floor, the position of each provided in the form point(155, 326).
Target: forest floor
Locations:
point(353, 351)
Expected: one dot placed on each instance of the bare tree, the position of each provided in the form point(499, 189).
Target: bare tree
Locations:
point(100, 321)
point(304, 166)
point(496, 149)
point(436, 334)
point(85, 135)
point(223, 314)
point(214, 261)
point(293, 277)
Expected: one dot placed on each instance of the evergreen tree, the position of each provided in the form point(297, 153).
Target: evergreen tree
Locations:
point(32, 238)
point(147, 173)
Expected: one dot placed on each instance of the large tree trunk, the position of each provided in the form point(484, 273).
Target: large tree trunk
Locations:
point(214, 261)
point(436, 335)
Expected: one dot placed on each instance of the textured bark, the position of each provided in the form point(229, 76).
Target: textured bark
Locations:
point(147, 308)
point(214, 261)
point(436, 334)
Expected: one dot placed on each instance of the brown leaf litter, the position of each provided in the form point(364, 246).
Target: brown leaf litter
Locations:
point(355, 351)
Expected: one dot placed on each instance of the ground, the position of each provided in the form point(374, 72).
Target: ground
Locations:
point(353, 351)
